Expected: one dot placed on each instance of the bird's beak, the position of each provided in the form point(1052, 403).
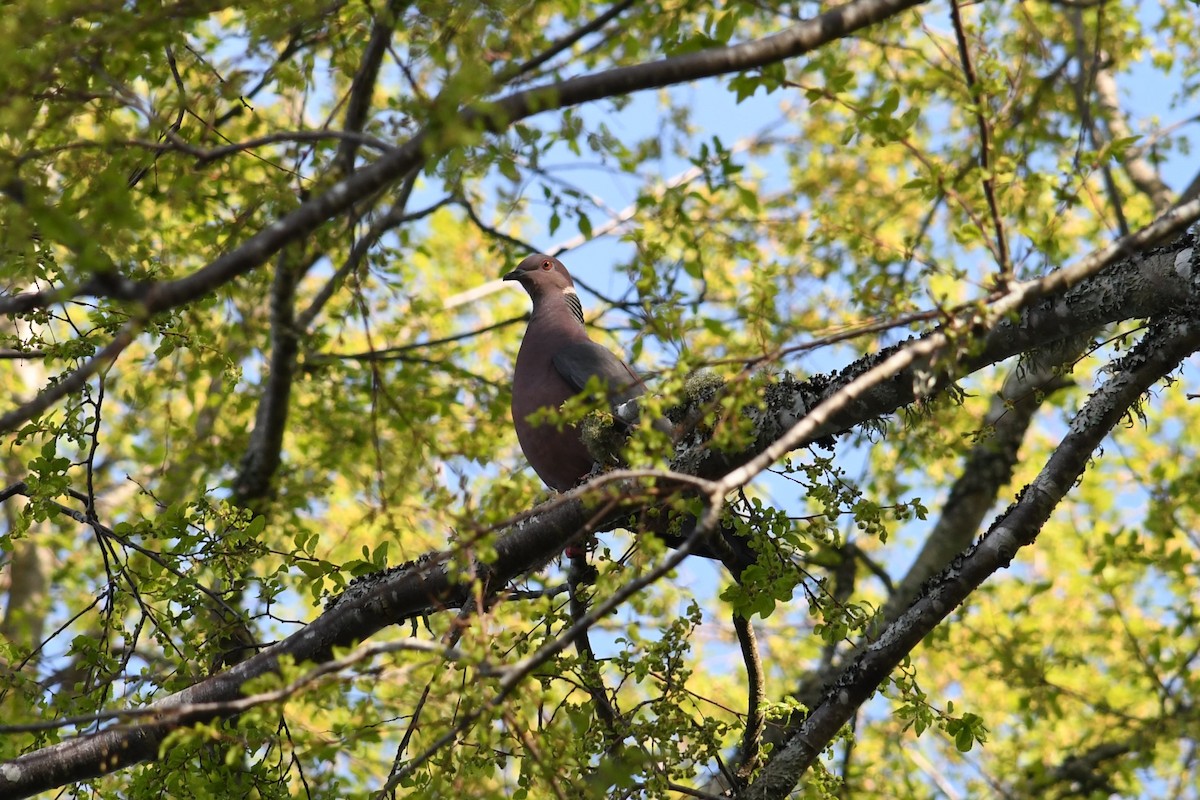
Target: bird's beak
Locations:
point(515, 275)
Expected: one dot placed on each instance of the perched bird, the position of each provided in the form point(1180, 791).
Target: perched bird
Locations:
point(555, 363)
point(556, 360)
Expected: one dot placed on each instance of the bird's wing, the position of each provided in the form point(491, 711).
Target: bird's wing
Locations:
point(577, 362)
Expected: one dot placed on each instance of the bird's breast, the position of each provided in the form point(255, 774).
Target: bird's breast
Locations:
point(559, 457)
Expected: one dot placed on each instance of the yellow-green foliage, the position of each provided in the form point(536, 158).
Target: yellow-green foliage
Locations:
point(145, 141)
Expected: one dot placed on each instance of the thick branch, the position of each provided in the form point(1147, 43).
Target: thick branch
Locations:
point(986, 469)
point(1153, 282)
point(363, 86)
point(1160, 352)
point(262, 456)
point(156, 297)
point(1141, 286)
point(494, 117)
point(755, 695)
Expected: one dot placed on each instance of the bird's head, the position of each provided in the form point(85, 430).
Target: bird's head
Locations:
point(541, 275)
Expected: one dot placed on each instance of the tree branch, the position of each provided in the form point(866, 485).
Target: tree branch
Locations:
point(158, 296)
point(755, 695)
point(565, 42)
point(72, 382)
point(985, 146)
point(1167, 343)
point(987, 468)
point(262, 456)
point(1148, 284)
point(491, 117)
point(363, 86)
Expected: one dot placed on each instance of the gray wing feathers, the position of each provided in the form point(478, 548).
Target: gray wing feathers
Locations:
point(579, 361)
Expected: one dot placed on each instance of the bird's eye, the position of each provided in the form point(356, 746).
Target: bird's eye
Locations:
point(547, 264)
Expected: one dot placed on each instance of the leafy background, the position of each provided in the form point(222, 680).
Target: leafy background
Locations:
point(343, 406)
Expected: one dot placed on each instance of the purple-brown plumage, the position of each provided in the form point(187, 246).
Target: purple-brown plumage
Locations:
point(555, 363)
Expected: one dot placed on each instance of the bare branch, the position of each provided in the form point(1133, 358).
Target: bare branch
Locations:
point(7, 354)
point(987, 467)
point(985, 146)
point(1167, 343)
point(297, 41)
point(565, 42)
point(262, 456)
point(756, 720)
point(1156, 281)
point(173, 129)
point(363, 86)
point(1091, 64)
point(396, 353)
point(394, 217)
point(239, 705)
point(493, 117)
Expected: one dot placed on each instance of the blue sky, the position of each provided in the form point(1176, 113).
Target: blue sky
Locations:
point(716, 113)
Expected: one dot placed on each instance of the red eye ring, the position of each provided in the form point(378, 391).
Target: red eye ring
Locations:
point(547, 264)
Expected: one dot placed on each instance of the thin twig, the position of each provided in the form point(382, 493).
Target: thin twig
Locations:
point(1005, 276)
point(521, 670)
point(563, 43)
point(394, 353)
point(73, 381)
point(164, 714)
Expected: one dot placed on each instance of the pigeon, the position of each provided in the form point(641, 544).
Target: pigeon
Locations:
point(556, 362)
